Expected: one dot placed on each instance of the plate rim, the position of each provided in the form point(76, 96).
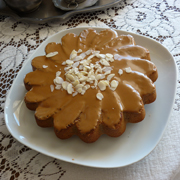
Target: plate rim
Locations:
point(99, 29)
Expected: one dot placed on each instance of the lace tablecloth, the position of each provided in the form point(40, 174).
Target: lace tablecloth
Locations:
point(156, 19)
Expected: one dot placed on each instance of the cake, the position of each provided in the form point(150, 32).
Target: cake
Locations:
point(91, 84)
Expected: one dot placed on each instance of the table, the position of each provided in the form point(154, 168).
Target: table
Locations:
point(156, 19)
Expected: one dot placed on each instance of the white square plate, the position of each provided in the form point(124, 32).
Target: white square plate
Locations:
point(137, 141)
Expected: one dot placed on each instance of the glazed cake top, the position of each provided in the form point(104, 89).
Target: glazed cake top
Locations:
point(90, 79)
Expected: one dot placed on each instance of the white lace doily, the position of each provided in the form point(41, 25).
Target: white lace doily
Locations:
point(156, 19)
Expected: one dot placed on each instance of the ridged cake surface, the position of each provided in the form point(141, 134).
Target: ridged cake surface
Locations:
point(91, 84)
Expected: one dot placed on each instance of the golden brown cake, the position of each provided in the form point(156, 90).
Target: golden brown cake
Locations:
point(91, 84)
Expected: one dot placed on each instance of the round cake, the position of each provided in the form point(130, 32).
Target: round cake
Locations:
point(91, 84)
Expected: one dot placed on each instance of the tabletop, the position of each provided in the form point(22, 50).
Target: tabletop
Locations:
point(155, 19)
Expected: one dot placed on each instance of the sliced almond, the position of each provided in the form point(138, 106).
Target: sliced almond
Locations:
point(79, 51)
point(58, 80)
point(102, 76)
point(96, 52)
point(70, 77)
point(128, 70)
point(102, 85)
point(91, 65)
point(107, 72)
point(44, 66)
point(67, 68)
point(78, 86)
point(90, 57)
point(58, 86)
point(78, 58)
point(75, 93)
point(83, 91)
point(73, 54)
point(101, 56)
point(117, 56)
point(114, 84)
point(76, 82)
point(87, 86)
point(69, 62)
point(99, 70)
point(95, 83)
point(76, 64)
point(105, 69)
point(86, 62)
point(51, 54)
point(58, 73)
point(99, 96)
point(120, 72)
point(76, 70)
point(92, 77)
point(110, 76)
point(64, 63)
point(88, 52)
point(106, 82)
point(79, 90)
point(70, 88)
point(84, 78)
point(104, 62)
point(52, 87)
point(84, 73)
point(108, 55)
point(64, 85)
point(83, 55)
point(97, 66)
point(81, 67)
point(98, 76)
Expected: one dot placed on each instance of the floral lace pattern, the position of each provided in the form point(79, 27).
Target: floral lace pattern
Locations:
point(156, 19)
